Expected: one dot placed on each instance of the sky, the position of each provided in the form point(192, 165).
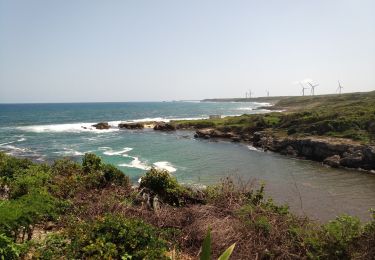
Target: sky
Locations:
point(89, 50)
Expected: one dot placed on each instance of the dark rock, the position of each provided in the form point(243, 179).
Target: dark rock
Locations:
point(236, 139)
point(352, 159)
point(290, 150)
point(161, 126)
point(102, 125)
point(131, 126)
point(257, 136)
point(333, 161)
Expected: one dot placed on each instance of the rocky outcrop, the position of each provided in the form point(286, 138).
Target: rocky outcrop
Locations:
point(213, 133)
point(332, 152)
point(161, 126)
point(130, 126)
point(102, 125)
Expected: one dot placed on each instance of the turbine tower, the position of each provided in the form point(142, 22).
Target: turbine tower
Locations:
point(303, 88)
point(250, 93)
point(268, 93)
point(312, 88)
point(339, 88)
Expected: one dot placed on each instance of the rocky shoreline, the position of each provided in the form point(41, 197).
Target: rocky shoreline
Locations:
point(333, 152)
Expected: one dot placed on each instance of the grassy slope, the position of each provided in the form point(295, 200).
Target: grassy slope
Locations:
point(349, 116)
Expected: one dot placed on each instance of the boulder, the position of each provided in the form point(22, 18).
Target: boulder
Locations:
point(131, 126)
point(333, 161)
point(352, 159)
point(161, 126)
point(102, 125)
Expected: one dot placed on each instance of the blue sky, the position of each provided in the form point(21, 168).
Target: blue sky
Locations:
point(76, 50)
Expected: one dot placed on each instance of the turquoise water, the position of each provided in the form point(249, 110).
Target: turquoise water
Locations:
point(44, 132)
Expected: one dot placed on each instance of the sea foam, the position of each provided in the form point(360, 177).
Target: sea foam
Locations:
point(165, 166)
point(111, 152)
point(136, 163)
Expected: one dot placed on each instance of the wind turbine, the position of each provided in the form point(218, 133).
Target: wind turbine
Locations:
point(312, 88)
point(339, 88)
point(303, 88)
point(250, 93)
point(268, 93)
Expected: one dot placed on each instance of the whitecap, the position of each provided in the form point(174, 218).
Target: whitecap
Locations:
point(56, 128)
point(164, 165)
point(136, 163)
point(69, 152)
point(245, 108)
point(123, 152)
point(263, 104)
point(6, 143)
point(21, 139)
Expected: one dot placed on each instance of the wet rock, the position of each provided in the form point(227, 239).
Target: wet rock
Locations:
point(161, 126)
point(131, 126)
point(333, 161)
point(102, 125)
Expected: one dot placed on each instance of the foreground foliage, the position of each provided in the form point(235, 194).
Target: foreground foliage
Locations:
point(89, 210)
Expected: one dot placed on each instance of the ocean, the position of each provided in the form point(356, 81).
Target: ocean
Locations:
point(45, 132)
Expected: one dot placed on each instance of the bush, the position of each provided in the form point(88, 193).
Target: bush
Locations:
point(17, 217)
point(35, 177)
point(66, 178)
point(8, 249)
point(10, 165)
point(114, 175)
point(340, 233)
point(91, 163)
point(99, 174)
point(116, 237)
point(165, 186)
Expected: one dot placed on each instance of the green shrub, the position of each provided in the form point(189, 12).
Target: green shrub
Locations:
point(116, 237)
point(66, 167)
point(99, 174)
point(10, 165)
point(17, 217)
point(165, 186)
point(34, 178)
point(339, 234)
point(262, 224)
point(91, 163)
point(8, 249)
point(114, 175)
